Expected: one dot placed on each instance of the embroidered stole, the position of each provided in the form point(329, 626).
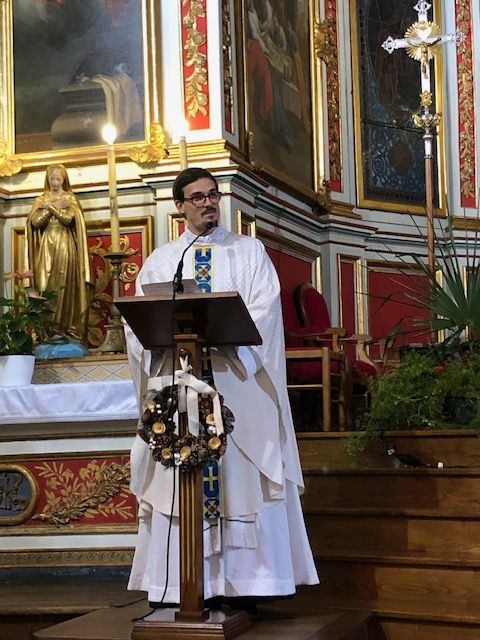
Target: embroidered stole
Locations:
point(203, 274)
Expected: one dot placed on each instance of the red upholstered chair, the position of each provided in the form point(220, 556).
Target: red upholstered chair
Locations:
point(315, 318)
point(316, 368)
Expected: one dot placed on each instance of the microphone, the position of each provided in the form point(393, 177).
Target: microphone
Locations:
point(177, 278)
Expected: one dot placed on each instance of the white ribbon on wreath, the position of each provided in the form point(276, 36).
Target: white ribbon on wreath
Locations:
point(189, 387)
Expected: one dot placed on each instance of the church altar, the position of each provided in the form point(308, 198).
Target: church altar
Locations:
point(65, 468)
point(68, 402)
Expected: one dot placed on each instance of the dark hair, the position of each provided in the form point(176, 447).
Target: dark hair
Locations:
point(186, 177)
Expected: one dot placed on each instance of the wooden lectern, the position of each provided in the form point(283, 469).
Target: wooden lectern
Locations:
point(190, 322)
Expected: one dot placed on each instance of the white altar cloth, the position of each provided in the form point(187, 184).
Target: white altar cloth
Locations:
point(69, 402)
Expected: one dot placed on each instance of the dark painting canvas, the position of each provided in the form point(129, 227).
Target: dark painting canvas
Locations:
point(392, 149)
point(77, 64)
point(279, 101)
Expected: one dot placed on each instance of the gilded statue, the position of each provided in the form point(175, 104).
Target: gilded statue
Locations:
point(57, 253)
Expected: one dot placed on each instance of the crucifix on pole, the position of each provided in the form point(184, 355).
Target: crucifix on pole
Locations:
point(422, 41)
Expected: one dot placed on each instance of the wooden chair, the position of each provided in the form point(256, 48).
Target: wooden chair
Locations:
point(315, 318)
point(316, 368)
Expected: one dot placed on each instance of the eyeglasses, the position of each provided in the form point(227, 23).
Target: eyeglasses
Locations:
point(199, 199)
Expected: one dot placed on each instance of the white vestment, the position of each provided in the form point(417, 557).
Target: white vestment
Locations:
point(259, 546)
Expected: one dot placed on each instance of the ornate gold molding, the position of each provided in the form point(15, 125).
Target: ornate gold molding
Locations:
point(195, 97)
point(323, 195)
point(326, 50)
point(466, 104)
point(68, 558)
point(8, 165)
point(344, 210)
point(155, 150)
point(227, 65)
point(325, 40)
point(461, 223)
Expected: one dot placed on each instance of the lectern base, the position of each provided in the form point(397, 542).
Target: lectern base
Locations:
point(219, 625)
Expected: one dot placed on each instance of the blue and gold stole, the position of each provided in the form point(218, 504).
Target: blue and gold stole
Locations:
point(203, 274)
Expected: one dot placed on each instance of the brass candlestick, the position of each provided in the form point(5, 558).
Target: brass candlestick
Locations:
point(114, 341)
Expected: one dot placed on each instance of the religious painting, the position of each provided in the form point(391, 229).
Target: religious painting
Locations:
point(74, 65)
point(278, 88)
point(389, 147)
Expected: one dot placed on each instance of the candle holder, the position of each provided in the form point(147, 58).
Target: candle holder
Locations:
point(114, 341)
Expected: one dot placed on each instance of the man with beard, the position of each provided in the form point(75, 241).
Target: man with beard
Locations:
point(259, 546)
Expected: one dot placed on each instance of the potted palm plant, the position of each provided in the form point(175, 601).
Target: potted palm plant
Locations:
point(26, 320)
point(438, 385)
point(453, 299)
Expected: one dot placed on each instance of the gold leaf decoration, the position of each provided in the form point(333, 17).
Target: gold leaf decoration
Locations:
point(466, 105)
point(155, 150)
point(195, 82)
point(8, 166)
point(227, 60)
point(326, 49)
point(86, 495)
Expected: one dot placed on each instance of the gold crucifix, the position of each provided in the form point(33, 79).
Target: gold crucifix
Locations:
point(422, 40)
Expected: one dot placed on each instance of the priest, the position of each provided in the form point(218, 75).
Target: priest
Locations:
point(258, 545)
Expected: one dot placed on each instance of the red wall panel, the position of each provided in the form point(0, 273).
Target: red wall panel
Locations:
point(390, 309)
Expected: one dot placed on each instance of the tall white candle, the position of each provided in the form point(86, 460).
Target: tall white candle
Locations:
point(109, 134)
point(182, 143)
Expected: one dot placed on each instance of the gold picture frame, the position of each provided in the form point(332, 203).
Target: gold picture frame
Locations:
point(246, 225)
point(400, 150)
point(358, 293)
point(101, 227)
point(299, 88)
point(175, 223)
point(148, 100)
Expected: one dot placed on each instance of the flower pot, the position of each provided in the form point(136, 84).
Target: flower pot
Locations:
point(16, 371)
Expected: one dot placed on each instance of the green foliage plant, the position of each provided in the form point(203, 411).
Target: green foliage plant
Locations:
point(451, 299)
point(26, 318)
point(415, 395)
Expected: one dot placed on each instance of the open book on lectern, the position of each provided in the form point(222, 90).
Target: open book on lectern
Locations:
point(165, 288)
point(219, 319)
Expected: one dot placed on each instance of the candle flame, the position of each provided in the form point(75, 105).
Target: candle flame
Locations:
point(109, 133)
